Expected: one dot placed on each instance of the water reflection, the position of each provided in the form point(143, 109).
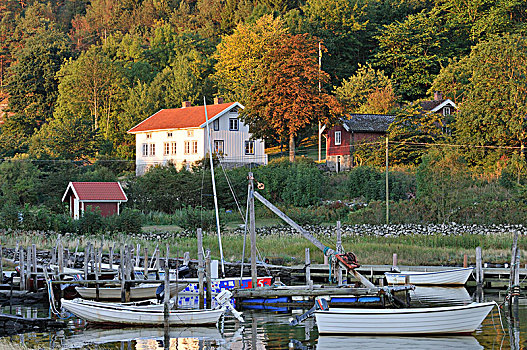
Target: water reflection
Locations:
point(396, 343)
point(435, 296)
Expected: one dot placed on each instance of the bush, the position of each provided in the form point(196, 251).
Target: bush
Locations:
point(192, 218)
point(130, 221)
point(91, 222)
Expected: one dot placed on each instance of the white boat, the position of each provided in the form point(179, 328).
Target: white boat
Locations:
point(440, 296)
point(145, 305)
point(140, 292)
point(398, 343)
point(128, 316)
point(445, 277)
point(436, 320)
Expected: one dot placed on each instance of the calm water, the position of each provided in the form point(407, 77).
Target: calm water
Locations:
point(271, 330)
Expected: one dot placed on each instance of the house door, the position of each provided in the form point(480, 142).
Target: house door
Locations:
point(337, 166)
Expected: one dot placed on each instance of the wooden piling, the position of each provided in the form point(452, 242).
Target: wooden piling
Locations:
point(97, 291)
point(479, 266)
point(137, 255)
point(309, 282)
point(1, 265)
point(34, 252)
point(166, 300)
point(122, 274)
point(22, 269)
point(157, 263)
point(128, 271)
point(110, 257)
point(28, 266)
point(252, 230)
point(60, 257)
point(340, 250)
point(465, 260)
point(209, 282)
point(145, 263)
point(514, 278)
point(201, 291)
point(394, 260)
point(86, 260)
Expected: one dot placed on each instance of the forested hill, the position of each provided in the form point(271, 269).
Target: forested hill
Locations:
point(78, 74)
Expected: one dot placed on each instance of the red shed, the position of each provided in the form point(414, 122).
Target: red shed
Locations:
point(107, 196)
point(342, 138)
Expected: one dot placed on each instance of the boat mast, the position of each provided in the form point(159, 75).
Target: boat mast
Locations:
point(214, 188)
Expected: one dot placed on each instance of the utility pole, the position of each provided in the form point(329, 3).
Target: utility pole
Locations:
point(387, 189)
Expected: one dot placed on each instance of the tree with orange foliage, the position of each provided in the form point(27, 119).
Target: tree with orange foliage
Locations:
point(286, 97)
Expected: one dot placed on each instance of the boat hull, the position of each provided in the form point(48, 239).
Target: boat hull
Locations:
point(109, 315)
point(141, 292)
point(446, 277)
point(439, 320)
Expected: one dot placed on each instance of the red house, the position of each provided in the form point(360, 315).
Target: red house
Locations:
point(342, 138)
point(107, 196)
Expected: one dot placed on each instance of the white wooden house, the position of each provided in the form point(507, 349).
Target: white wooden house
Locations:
point(179, 136)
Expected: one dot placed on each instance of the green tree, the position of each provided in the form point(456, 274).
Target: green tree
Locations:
point(412, 52)
point(240, 54)
point(367, 91)
point(32, 84)
point(19, 182)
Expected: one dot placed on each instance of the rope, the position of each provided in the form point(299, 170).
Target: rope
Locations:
point(232, 192)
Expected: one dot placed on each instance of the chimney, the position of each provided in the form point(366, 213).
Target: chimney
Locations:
point(186, 104)
point(218, 100)
point(438, 96)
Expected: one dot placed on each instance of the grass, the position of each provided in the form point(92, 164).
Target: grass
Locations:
point(307, 148)
point(290, 249)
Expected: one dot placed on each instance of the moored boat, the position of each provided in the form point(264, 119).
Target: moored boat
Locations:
point(140, 292)
point(446, 277)
point(436, 320)
point(131, 316)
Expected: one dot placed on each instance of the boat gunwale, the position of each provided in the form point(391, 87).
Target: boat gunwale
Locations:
point(173, 312)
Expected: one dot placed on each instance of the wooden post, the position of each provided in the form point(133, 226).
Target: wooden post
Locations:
point(145, 262)
point(110, 257)
point(479, 266)
point(60, 257)
point(137, 255)
point(99, 260)
point(465, 260)
point(208, 277)
point(309, 283)
point(22, 270)
point(200, 270)
point(157, 264)
point(29, 267)
point(34, 250)
point(121, 268)
point(514, 278)
point(167, 288)
point(340, 250)
point(176, 297)
point(1, 265)
point(97, 292)
point(252, 229)
point(86, 260)
point(394, 260)
point(128, 271)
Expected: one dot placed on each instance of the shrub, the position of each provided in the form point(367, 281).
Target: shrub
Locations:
point(91, 222)
point(129, 221)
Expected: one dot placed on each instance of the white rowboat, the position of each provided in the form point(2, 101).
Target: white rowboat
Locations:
point(140, 292)
point(110, 315)
point(147, 305)
point(437, 320)
point(446, 277)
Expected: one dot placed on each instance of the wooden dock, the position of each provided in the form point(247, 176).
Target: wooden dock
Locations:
point(494, 277)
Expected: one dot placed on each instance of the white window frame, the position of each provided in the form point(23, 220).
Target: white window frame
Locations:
point(149, 135)
point(166, 147)
point(173, 147)
point(190, 133)
point(152, 149)
point(169, 134)
point(447, 111)
point(145, 149)
point(234, 124)
point(187, 147)
point(216, 125)
point(338, 138)
point(194, 147)
point(249, 147)
point(219, 146)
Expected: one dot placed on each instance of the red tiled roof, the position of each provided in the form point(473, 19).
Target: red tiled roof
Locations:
point(179, 118)
point(98, 191)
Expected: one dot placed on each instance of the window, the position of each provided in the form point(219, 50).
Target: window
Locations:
point(446, 111)
point(152, 149)
point(216, 125)
point(169, 134)
point(167, 148)
point(191, 147)
point(249, 147)
point(149, 135)
point(190, 133)
point(338, 139)
point(233, 124)
point(174, 147)
point(145, 149)
point(218, 146)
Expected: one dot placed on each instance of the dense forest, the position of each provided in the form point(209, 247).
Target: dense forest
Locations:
point(78, 74)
